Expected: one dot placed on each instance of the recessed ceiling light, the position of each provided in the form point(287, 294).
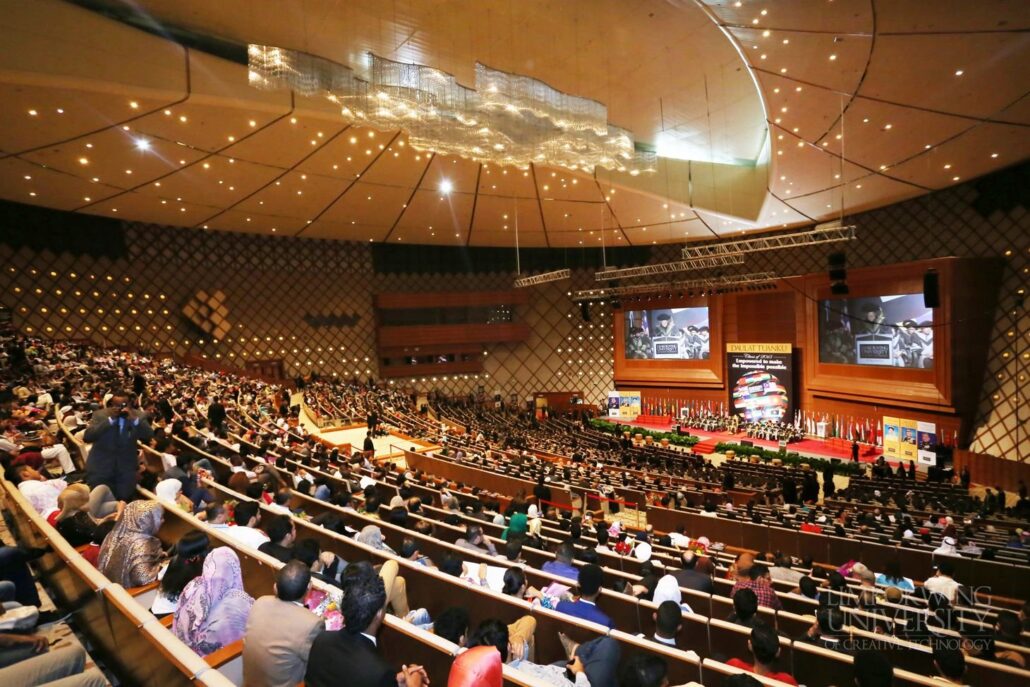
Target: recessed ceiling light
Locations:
point(33, 113)
point(168, 113)
point(786, 41)
point(947, 166)
point(927, 146)
point(833, 57)
point(293, 120)
point(887, 126)
point(128, 171)
point(32, 193)
point(959, 72)
point(252, 123)
point(83, 161)
point(231, 138)
point(182, 118)
point(142, 144)
point(133, 104)
point(955, 178)
point(762, 56)
point(994, 155)
point(766, 33)
point(783, 70)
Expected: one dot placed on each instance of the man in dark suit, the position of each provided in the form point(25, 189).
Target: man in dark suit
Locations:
point(369, 446)
point(350, 656)
point(691, 578)
point(216, 414)
point(114, 432)
point(373, 422)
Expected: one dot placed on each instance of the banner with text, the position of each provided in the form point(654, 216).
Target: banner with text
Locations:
point(613, 404)
point(891, 437)
point(926, 443)
point(624, 404)
point(760, 380)
point(908, 439)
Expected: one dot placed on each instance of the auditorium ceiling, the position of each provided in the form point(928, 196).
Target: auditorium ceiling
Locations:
point(763, 114)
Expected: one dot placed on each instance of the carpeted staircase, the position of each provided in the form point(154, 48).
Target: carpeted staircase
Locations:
point(705, 447)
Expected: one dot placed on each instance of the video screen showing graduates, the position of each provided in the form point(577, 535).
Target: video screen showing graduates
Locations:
point(667, 334)
point(888, 331)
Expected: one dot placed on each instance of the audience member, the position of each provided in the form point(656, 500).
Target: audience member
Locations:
point(213, 608)
point(280, 631)
point(131, 554)
point(353, 651)
point(114, 433)
point(591, 578)
point(764, 645)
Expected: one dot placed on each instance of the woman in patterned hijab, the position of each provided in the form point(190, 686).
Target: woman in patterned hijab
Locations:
point(131, 553)
point(213, 608)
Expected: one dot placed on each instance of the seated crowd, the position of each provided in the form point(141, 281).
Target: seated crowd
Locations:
point(232, 453)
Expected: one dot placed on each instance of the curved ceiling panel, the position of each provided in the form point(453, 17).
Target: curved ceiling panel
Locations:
point(742, 99)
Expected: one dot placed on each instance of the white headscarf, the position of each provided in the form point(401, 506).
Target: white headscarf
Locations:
point(534, 512)
point(668, 589)
point(168, 489)
point(642, 551)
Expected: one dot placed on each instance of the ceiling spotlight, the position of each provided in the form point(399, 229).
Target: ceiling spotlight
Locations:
point(446, 186)
point(142, 144)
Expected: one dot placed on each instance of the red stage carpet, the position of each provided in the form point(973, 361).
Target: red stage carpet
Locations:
point(809, 447)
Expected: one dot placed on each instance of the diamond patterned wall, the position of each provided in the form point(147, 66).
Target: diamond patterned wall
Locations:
point(272, 283)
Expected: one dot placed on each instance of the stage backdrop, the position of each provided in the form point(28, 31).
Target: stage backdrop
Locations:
point(759, 377)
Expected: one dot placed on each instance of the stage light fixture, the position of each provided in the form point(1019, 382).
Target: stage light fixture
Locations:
point(446, 186)
point(142, 144)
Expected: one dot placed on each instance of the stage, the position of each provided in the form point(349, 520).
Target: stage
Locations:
point(810, 446)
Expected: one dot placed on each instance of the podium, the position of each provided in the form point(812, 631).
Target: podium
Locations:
point(820, 430)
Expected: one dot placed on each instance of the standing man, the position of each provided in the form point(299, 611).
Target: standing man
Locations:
point(372, 421)
point(216, 414)
point(114, 432)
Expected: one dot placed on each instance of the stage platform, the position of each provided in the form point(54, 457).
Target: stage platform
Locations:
point(812, 446)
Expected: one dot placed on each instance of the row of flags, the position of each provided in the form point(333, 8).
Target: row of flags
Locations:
point(675, 407)
point(864, 430)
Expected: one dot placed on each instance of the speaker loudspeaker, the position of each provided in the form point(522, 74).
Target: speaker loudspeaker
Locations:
point(836, 264)
point(931, 289)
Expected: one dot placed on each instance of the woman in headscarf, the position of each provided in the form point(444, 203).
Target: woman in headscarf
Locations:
point(517, 526)
point(213, 608)
point(131, 554)
point(371, 535)
point(187, 562)
point(668, 589)
point(169, 491)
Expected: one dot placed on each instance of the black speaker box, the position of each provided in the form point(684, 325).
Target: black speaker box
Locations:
point(931, 289)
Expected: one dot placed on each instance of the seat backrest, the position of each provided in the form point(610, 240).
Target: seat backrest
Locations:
point(814, 665)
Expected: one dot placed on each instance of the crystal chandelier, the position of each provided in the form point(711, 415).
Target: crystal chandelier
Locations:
point(507, 119)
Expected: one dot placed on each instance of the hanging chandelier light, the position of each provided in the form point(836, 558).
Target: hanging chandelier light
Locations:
point(507, 119)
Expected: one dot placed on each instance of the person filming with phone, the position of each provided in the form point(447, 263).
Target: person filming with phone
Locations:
point(113, 432)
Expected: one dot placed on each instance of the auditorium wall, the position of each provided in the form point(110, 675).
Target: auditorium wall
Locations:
point(278, 290)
